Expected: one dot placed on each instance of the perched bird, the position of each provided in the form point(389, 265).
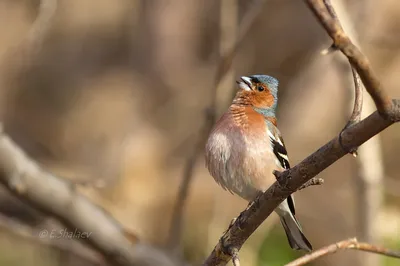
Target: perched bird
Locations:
point(245, 147)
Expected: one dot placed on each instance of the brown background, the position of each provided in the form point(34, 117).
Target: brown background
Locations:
point(117, 90)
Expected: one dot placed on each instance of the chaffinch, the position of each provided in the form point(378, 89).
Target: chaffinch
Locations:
point(245, 147)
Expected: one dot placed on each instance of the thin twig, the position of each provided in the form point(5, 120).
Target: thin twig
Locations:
point(312, 182)
point(357, 109)
point(351, 243)
point(358, 100)
point(224, 65)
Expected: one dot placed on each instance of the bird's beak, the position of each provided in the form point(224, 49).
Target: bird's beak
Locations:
point(245, 83)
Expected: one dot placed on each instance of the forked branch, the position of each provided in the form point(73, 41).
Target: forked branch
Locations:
point(358, 91)
point(358, 60)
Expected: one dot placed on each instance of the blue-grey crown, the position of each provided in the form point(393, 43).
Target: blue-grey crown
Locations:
point(271, 82)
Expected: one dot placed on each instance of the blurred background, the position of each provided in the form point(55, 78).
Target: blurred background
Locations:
point(112, 94)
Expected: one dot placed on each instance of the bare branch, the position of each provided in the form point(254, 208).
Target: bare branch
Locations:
point(358, 99)
point(224, 65)
point(312, 182)
point(357, 109)
point(56, 197)
point(351, 243)
point(367, 183)
point(358, 60)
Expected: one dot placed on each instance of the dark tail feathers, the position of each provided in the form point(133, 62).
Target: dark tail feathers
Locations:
point(295, 236)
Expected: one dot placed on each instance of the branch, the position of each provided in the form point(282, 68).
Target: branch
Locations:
point(358, 60)
point(351, 243)
point(292, 179)
point(358, 99)
point(358, 92)
point(224, 65)
point(352, 137)
point(357, 109)
point(56, 197)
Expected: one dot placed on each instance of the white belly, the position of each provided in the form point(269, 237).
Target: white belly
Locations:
point(239, 165)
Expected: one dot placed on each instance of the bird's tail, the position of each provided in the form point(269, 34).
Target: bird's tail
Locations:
point(295, 236)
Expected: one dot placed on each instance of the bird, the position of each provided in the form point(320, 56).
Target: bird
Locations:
point(245, 147)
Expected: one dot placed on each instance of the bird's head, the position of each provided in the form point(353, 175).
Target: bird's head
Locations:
point(259, 91)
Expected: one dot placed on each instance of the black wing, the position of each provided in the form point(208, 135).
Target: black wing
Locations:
point(280, 153)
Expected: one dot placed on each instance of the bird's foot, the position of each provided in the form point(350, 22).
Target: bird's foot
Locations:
point(232, 222)
point(281, 178)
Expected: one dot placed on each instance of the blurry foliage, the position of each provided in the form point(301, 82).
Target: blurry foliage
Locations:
point(274, 250)
point(392, 243)
point(17, 251)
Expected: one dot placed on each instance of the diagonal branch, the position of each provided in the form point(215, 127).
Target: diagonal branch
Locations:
point(352, 137)
point(58, 198)
point(292, 179)
point(224, 65)
point(351, 243)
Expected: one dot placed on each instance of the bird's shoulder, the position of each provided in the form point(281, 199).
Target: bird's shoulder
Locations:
point(278, 145)
point(247, 119)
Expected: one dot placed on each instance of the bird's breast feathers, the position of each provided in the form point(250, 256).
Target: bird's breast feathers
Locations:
point(239, 154)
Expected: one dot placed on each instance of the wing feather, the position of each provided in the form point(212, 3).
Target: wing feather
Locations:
point(280, 152)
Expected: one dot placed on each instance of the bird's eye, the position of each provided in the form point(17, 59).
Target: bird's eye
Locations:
point(260, 88)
